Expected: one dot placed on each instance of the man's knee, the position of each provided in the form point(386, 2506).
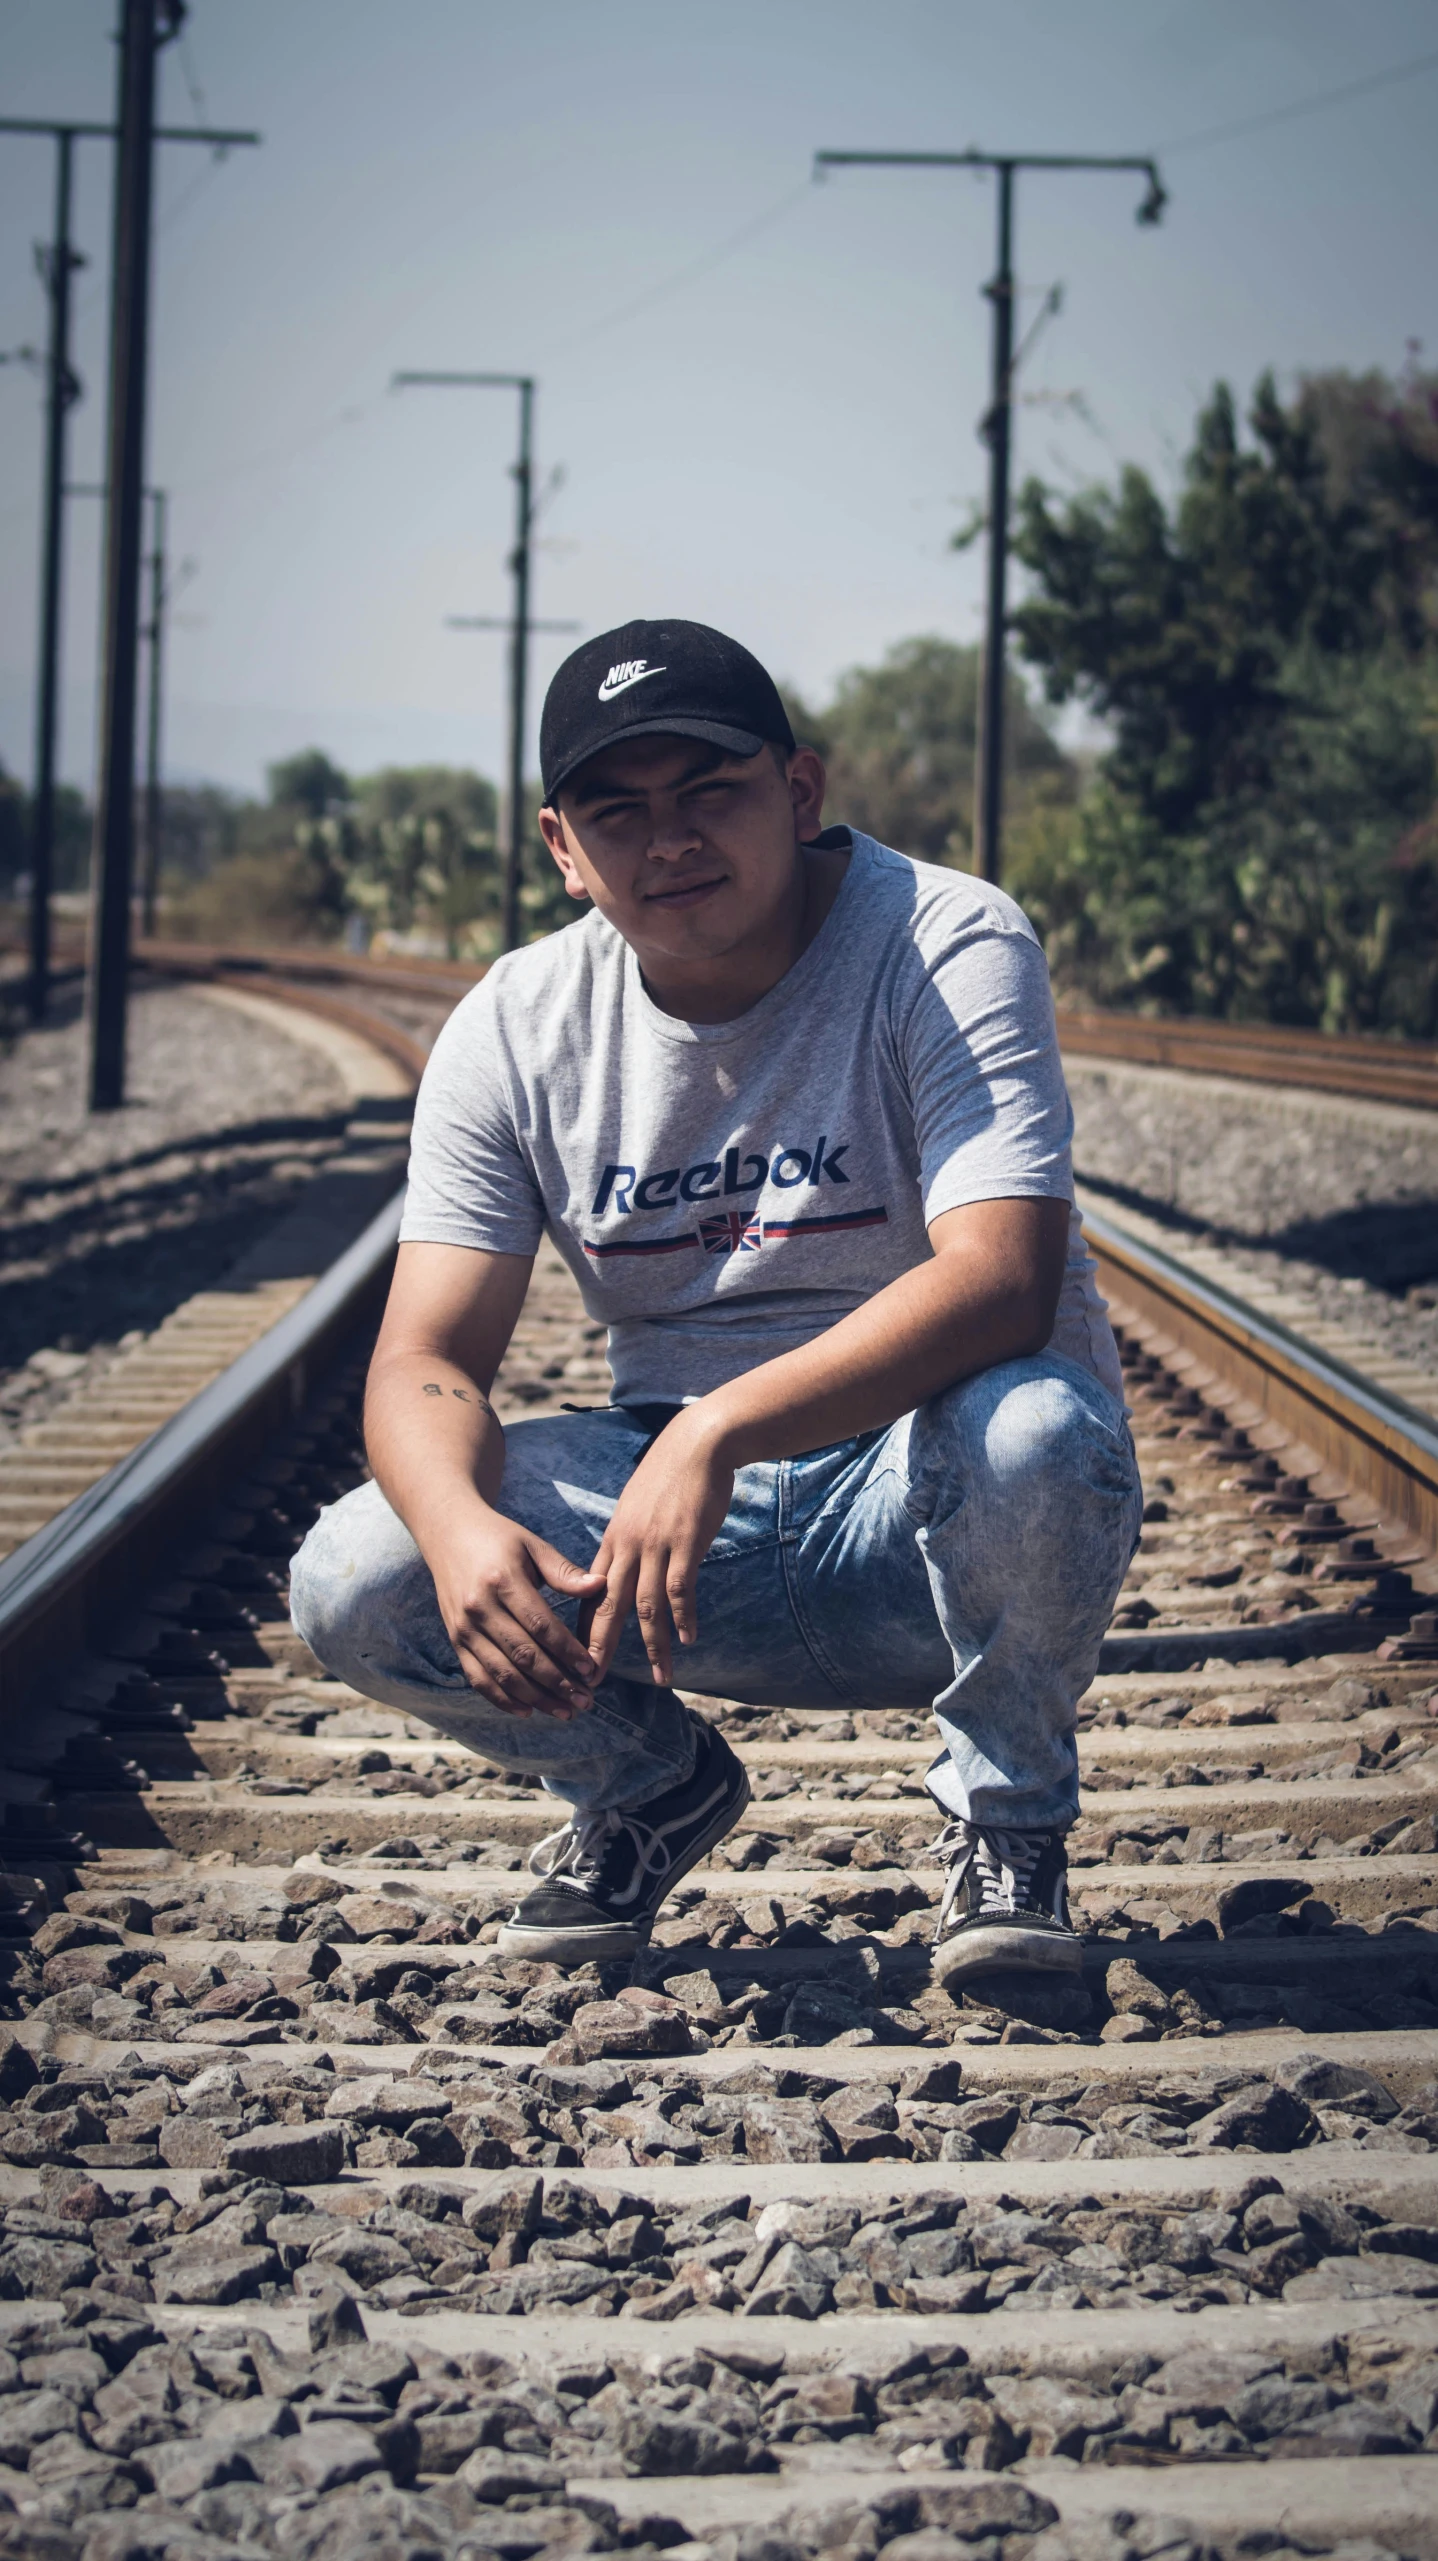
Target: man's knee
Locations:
point(352, 1577)
point(1024, 1432)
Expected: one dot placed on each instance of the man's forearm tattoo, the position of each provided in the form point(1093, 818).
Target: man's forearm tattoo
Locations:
point(466, 1395)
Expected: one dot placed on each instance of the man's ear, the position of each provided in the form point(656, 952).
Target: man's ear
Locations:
point(807, 784)
point(551, 828)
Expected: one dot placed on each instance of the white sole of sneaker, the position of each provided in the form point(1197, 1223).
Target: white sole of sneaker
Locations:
point(579, 1946)
point(1010, 1950)
point(591, 1944)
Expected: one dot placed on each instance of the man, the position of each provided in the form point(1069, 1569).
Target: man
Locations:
point(791, 1107)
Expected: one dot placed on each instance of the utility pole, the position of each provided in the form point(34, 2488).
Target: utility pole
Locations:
point(155, 637)
point(519, 563)
point(507, 623)
point(152, 633)
point(145, 26)
point(996, 430)
point(62, 389)
point(57, 264)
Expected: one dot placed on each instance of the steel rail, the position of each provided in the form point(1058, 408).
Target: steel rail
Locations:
point(408, 977)
point(1384, 1447)
point(88, 1560)
point(57, 1586)
point(1356, 1064)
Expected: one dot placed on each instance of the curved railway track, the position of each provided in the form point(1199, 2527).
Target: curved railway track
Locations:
point(324, 2224)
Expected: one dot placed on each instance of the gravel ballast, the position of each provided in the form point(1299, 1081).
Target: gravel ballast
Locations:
point(1333, 1199)
point(111, 1220)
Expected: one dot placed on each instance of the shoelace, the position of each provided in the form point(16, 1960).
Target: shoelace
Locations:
point(1002, 1864)
point(545, 1856)
point(577, 1849)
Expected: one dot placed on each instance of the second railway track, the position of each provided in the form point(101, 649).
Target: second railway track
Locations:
point(329, 2231)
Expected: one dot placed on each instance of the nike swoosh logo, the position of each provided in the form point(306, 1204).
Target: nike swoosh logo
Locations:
point(607, 691)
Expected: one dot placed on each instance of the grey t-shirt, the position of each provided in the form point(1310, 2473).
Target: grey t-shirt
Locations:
point(725, 1191)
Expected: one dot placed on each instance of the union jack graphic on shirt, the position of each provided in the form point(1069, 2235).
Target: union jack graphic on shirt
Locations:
point(732, 1232)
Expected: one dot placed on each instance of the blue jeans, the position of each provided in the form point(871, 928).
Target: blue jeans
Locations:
point(966, 1558)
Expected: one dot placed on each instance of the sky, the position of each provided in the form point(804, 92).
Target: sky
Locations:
point(758, 396)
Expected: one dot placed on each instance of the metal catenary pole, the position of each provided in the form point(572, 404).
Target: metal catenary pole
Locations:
point(155, 641)
point(510, 625)
point(519, 663)
point(998, 427)
point(152, 633)
point(519, 562)
point(997, 430)
point(125, 479)
point(140, 40)
point(58, 263)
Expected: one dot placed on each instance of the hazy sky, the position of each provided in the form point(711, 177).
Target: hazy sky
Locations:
point(777, 436)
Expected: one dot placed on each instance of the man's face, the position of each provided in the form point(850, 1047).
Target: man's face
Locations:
point(689, 852)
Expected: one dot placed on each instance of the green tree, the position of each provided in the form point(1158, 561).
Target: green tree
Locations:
point(70, 846)
point(419, 850)
point(1258, 840)
point(14, 833)
point(74, 840)
point(410, 849)
point(1313, 899)
point(309, 782)
point(1176, 625)
point(899, 741)
point(200, 826)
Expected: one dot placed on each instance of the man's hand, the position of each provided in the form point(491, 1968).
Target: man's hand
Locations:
point(511, 1647)
point(658, 1537)
point(987, 1295)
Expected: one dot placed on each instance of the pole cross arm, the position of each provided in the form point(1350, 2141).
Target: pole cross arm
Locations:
point(1142, 164)
point(502, 622)
point(490, 381)
point(219, 140)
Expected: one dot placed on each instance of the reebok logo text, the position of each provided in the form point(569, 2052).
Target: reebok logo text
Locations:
point(623, 1188)
point(630, 671)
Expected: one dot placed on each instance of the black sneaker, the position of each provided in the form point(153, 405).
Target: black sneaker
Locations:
point(1005, 1904)
point(607, 1874)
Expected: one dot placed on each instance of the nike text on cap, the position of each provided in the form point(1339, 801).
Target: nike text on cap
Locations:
point(657, 679)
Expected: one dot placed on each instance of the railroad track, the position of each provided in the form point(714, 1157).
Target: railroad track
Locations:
point(323, 2222)
point(1348, 1063)
point(1356, 1064)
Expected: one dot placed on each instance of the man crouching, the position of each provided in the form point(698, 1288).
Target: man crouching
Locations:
point(791, 1107)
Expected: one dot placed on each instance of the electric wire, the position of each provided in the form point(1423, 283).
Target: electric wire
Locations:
point(691, 270)
point(1301, 106)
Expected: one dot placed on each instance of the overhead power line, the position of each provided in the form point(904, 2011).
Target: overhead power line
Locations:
point(693, 268)
point(1303, 106)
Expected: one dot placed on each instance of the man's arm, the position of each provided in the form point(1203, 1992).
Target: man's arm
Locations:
point(438, 1453)
point(989, 1295)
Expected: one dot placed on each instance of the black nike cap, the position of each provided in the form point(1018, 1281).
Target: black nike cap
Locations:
point(654, 680)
